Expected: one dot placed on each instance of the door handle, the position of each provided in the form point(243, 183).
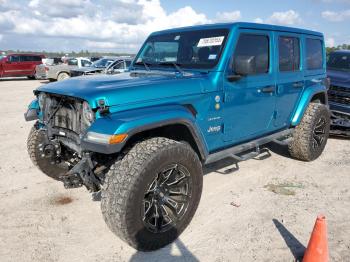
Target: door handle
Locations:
point(268, 89)
point(298, 84)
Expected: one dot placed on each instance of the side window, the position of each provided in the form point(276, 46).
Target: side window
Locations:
point(251, 56)
point(85, 63)
point(73, 62)
point(14, 58)
point(289, 54)
point(36, 58)
point(314, 54)
point(119, 65)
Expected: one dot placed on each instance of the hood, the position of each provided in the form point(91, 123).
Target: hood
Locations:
point(339, 77)
point(126, 88)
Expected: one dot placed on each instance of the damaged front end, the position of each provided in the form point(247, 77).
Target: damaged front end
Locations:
point(65, 121)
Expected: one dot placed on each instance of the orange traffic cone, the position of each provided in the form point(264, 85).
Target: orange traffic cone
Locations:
point(317, 249)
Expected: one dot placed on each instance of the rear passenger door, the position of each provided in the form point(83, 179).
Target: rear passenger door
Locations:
point(289, 79)
point(27, 65)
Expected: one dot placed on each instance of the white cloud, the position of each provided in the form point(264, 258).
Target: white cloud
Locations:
point(228, 16)
point(258, 20)
point(336, 16)
point(289, 17)
point(330, 42)
point(103, 25)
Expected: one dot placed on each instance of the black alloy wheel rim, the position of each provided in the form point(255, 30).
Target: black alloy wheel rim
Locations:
point(319, 133)
point(167, 198)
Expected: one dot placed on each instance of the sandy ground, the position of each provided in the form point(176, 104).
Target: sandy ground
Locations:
point(239, 217)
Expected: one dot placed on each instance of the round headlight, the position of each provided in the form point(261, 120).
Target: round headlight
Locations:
point(41, 100)
point(88, 114)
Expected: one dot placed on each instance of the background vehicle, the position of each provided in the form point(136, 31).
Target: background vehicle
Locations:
point(118, 65)
point(95, 58)
point(193, 96)
point(338, 71)
point(61, 71)
point(19, 65)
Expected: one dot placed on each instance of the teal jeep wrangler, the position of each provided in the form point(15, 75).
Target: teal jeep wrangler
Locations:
point(192, 96)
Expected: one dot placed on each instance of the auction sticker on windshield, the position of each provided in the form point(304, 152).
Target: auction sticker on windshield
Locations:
point(211, 41)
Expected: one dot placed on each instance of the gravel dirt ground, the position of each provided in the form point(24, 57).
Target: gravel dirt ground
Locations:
point(259, 210)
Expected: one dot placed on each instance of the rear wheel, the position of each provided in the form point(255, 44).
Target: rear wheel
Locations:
point(62, 76)
point(151, 194)
point(35, 141)
point(310, 136)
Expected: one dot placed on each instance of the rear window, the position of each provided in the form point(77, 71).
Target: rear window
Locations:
point(314, 54)
point(289, 54)
point(339, 61)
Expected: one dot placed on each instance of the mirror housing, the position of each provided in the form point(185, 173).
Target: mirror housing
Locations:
point(233, 78)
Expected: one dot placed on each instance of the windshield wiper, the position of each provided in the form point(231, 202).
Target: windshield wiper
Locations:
point(176, 65)
point(145, 64)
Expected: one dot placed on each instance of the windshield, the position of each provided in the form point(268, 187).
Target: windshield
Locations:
point(103, 62)
point(339, 61)
point(192, 49)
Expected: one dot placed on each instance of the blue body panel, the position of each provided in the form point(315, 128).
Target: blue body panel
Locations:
point(225, 114)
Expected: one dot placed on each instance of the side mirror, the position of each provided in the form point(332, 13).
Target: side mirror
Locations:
point(233, 78)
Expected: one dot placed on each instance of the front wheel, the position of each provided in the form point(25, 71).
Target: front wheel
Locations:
point(310, 136)
point(151, 194)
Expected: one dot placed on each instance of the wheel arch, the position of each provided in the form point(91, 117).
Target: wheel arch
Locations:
point(61, 72)
point(175, 122)
point(316, 93)
point(176, 129)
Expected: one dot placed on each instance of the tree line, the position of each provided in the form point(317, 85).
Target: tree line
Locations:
point(339, 47)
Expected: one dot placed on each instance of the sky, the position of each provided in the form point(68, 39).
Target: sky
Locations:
point(123, 25)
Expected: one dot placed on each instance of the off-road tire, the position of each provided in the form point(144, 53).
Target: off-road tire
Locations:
point(301, 146)
point(35, 138)
point(62, 76)
point(129, 178)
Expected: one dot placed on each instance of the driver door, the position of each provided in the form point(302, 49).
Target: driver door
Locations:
point(250, 101)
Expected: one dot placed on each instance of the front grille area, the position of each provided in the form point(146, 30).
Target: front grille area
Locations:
point(64, 112)
point(67, 118)
point(340, 95)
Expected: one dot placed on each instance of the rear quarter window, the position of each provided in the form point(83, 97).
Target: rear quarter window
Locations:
point(314, 54)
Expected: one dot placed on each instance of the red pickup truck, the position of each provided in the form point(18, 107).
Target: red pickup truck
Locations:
point(19, 65)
